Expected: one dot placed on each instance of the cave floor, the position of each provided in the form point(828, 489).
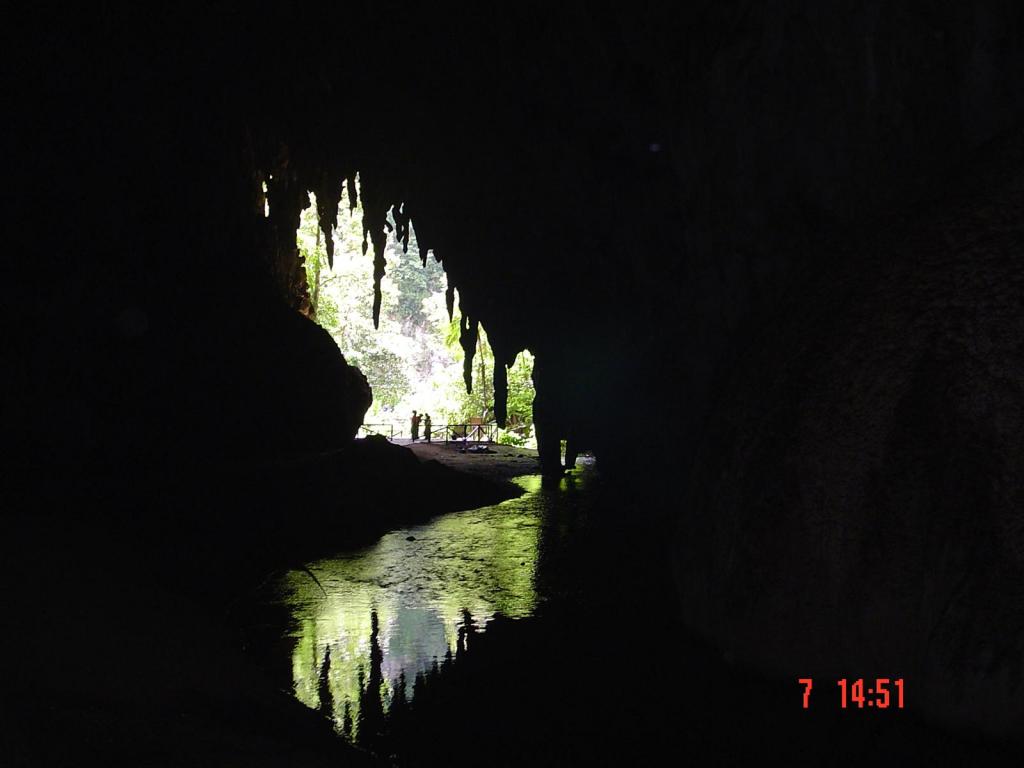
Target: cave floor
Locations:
point(501, 462)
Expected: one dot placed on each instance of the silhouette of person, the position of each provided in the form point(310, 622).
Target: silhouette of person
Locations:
point(415, 431)
point(426, 426)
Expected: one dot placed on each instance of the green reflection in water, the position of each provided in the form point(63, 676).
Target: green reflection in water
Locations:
point(462, 568)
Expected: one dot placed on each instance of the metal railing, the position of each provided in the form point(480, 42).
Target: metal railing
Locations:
point(447, 433)
point(386, 430)
point(467, 433)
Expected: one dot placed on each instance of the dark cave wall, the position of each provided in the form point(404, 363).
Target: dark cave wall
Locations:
point(859, 504)
point(801, 124)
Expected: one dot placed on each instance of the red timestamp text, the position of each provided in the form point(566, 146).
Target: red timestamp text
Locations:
point(880, 693)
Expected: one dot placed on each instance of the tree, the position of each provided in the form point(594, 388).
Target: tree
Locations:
point(416, 283)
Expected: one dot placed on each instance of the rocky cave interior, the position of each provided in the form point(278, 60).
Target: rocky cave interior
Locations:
point(804, 230)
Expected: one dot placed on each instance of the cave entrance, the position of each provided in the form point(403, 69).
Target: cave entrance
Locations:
point(413, 360)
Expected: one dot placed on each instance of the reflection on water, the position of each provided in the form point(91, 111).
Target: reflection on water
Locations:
point(407, 605)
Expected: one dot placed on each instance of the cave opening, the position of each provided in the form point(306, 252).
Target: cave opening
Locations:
point(413, 357)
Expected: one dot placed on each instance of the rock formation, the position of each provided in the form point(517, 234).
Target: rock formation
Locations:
point(858, 503)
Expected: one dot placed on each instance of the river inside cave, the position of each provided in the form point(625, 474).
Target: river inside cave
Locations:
point(546, 625)
point(363, 630)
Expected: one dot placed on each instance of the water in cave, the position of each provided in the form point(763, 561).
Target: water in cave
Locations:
point(416, 594)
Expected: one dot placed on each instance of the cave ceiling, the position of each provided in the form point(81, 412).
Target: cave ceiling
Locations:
point(599, 182)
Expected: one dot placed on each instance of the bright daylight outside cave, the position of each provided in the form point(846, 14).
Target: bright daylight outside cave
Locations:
point(414, 360)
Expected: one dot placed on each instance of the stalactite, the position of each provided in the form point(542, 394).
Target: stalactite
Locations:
point(468, 331)
point(449, 299)
point(424, 234)
point(353, 200)
point(503, 360)
point(328, 196)
point(379, 241)
point(375, 222)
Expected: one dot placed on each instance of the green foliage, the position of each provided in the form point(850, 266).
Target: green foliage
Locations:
point(324, 309)
point(511, 438)
point(520, 393)
point(415, 283)
point(386, 371)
